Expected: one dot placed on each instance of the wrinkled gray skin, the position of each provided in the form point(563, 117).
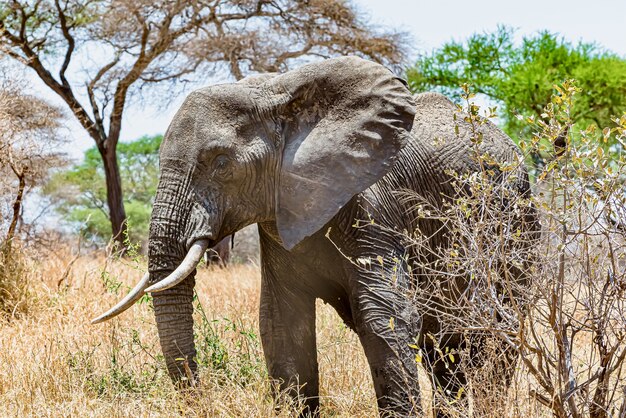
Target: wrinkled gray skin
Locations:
point(304, 155)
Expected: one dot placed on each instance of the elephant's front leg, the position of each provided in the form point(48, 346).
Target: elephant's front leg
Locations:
point(287, 323)
point(388, 325)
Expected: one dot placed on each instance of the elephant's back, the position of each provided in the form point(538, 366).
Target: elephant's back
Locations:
point(442, 125)
point(441, 144)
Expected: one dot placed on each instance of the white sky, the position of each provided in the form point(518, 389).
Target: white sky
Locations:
point(436, 21)
point(431, 23)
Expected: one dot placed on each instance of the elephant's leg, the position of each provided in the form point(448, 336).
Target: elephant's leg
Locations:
point(442, 361)
point(388, 325)
point(287, 322)
point(489, 366)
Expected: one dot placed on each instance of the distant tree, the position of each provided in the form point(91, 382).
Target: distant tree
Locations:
point(29, 140)
point(98, 54)
point(520, 79)
point(79, 193)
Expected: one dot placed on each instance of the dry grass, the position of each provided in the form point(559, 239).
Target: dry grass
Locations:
point(54, 363)
point(14, 281)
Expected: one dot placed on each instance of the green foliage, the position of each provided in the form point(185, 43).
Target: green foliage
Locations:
point(238, 361)
point(118, 374)
point(80, 192)
point(521, 78)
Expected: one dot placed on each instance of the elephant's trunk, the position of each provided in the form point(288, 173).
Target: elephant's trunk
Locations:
point(173, 307)
point(178, 230)
point(173, 310)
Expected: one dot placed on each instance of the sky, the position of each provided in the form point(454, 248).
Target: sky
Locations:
point(430, 24)
point(437, 21)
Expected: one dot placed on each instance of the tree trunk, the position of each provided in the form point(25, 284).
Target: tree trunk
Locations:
point(17, 207)
point(115, 201)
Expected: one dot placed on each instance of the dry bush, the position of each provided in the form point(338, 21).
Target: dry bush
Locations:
point(28, 135)
point(573, 342)
point(546, 310)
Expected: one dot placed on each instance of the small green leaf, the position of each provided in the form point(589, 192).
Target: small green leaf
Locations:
point(459, 394)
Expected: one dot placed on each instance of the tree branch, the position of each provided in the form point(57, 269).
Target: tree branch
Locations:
point(70, 44)
point(33, 61)
point(92, 98)
point(119, 97)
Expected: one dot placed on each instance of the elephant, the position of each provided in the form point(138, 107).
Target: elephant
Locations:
point(219, 255)
point(306, 155)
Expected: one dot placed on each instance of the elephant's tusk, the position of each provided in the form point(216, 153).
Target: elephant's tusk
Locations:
point(133, 296)
point(188, 265)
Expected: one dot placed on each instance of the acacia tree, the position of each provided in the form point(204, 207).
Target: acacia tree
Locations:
point(79, 193)
point(28, 135)
point(121, 46)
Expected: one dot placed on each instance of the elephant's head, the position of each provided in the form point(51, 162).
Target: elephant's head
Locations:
point(290, 149)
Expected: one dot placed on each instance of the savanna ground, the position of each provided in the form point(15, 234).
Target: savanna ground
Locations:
point(53, 362)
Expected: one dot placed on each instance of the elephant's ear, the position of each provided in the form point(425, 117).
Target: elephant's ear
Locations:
point(344, 122)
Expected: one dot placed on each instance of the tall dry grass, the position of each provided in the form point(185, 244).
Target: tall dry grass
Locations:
point(14, 280)
point(54, 363)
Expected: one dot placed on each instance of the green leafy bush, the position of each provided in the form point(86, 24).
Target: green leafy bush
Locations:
point(80, 192)
point(520, 79)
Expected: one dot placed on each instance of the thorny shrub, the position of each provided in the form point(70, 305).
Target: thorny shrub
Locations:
point(544, 302)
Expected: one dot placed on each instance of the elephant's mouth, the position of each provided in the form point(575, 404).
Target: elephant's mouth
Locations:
point(185, 268)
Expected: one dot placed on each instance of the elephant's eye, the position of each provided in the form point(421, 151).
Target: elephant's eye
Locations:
point(221, 165)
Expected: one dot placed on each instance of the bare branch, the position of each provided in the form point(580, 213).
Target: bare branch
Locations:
point(70, 44)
